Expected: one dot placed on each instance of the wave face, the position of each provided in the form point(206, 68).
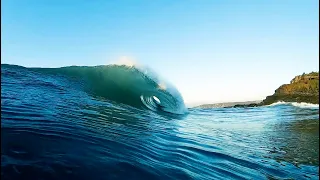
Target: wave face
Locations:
point(104, 123)
point(138, 87)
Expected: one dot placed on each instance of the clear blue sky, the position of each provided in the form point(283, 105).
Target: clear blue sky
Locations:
point(211, 50)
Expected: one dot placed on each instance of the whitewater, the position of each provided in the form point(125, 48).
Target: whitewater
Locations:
point(126, 122)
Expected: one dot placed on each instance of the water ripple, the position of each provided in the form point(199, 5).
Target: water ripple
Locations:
point(52, 129)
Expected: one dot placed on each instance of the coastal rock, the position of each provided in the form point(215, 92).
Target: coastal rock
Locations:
point(302, 88)
point(245, 105)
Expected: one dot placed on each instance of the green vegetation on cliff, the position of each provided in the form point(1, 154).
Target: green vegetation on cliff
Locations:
point(302, 88)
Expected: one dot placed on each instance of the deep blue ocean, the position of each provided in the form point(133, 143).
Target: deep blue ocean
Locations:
point(118, 122)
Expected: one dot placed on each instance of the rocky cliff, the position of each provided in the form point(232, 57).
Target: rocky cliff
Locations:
point(302, 88)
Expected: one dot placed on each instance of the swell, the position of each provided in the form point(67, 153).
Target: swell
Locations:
point(58, 131)
point(138, 87)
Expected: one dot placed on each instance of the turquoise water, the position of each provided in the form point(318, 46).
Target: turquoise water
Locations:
point(103, 123)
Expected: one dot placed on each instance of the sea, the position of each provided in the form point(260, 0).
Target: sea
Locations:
point(125, 122)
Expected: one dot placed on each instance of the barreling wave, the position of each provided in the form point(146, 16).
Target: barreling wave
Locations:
point(296, 104)
point(136, 86)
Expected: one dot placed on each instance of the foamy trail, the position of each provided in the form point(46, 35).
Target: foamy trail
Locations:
point(296, 104)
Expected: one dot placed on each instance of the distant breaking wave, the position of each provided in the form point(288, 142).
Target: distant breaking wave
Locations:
point(296, 104)
point(128, 84)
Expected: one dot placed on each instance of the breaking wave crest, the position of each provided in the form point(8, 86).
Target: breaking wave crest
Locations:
point(132, 85)
point(296, 104)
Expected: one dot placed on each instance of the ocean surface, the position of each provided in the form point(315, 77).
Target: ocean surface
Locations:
point(120, 122)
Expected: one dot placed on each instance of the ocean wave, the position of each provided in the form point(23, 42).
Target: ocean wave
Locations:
point(125, 83)
point(53, 127)
point(296, 104)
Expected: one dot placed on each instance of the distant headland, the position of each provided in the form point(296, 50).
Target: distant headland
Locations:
point(230, 104)
point(302, 88)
